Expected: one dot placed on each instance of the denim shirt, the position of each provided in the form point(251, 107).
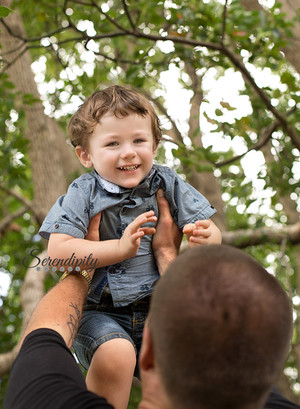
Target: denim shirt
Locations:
point(90, 194)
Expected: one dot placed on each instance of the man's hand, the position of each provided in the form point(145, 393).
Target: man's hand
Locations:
point(131, 239)
point(93, 229)
point(93, 235)
point(167, 239)
point(202, 232)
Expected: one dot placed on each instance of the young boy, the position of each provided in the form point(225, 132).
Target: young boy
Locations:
point(116, 132)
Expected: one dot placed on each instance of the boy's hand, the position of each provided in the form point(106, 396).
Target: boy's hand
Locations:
point(199, 232)
point(131, 239)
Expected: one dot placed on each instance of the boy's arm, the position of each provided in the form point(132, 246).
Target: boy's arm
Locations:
point(202, 232)
point(93, 254)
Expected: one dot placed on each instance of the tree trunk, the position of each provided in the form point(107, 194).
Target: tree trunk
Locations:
point(48, 171)
point(31, 293)
point(50, 156)
point(205, 182)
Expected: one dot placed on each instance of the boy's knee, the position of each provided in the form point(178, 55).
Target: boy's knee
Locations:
point(116, 357)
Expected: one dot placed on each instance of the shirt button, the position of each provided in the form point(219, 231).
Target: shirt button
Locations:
point(56, 226)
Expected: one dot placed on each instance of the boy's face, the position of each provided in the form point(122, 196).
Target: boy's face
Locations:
point(121, 150)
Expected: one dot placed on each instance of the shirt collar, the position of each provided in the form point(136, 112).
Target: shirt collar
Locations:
point(113, 188)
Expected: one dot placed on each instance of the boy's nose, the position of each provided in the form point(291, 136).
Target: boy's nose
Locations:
point(128, 152)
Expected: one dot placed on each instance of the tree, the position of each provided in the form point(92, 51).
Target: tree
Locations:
point(86, 43)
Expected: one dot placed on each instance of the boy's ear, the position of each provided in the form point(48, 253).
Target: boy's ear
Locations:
point(83, 156)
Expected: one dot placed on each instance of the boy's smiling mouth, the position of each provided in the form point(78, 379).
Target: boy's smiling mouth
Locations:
point(129, 168)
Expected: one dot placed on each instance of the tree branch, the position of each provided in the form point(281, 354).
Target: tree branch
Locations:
point(263, 140)
point(254, 237)
point(175, 131)
point(111, 20)
point(27, 203)
point(235, 60)
point(33, 39)
point(128, 15)
point(224, 23)
point(6, 221)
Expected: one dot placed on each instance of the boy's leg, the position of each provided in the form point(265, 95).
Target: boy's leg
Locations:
point(111, 371)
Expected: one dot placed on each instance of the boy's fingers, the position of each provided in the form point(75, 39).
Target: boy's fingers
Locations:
point(188, 228)
point(143, 218)
point(201, 233)
point(198, 240)
point(148, 230)
point(202, 223)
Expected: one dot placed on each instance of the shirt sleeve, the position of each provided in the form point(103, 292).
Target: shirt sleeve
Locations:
point(277, 401)
point(46, 375)
point(186, 204)
point(70, 214)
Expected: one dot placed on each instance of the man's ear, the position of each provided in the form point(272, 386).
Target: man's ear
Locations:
point(83, 156)
point(146, 360)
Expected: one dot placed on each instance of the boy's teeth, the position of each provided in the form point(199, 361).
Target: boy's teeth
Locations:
point(128, 167)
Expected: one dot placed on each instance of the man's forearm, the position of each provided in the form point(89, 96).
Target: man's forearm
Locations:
point(61, 308)
point(163, 259)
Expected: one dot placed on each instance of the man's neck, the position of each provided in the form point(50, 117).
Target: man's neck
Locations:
point(154, 396)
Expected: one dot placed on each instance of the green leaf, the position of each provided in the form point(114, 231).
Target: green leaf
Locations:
point(29, 99)
point(227, 106)
point(5, 11)
point(287, 78)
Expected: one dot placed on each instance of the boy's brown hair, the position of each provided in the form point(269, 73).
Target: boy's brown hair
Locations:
point(118, 100)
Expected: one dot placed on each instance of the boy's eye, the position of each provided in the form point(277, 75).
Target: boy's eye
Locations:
point(112, 144)
point(138, 140)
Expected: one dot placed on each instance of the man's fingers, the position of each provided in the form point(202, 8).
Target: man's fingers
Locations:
point(93, 230)
point(163, 204)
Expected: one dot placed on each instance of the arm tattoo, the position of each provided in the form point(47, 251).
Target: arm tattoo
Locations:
point(73, 323)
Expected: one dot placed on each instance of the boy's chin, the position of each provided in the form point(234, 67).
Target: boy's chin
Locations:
point(129, 185)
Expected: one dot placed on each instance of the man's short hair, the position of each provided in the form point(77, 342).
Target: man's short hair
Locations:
point(120, 101)
point(221, 327)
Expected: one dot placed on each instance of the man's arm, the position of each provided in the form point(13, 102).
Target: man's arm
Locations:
point(61, 307)
point(167, 239)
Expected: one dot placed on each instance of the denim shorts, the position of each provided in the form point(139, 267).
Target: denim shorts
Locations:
point(103, 322)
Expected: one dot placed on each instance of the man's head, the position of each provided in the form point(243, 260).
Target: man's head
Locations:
point(220, 327)
point(116, 131)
